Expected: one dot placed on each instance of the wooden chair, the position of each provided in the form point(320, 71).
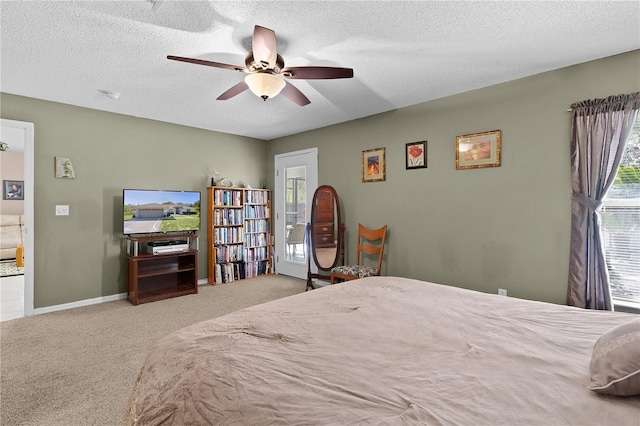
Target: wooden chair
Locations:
point(370, 242)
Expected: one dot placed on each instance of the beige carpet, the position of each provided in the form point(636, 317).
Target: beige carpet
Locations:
point(77, 367)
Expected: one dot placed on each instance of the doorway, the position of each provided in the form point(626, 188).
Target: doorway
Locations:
point(21, 134)
point(296, 177)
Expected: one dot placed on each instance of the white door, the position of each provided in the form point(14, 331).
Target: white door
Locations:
point(296, 181)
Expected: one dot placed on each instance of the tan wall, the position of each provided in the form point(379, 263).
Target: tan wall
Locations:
point(11, 168)
point(80, 256)
point(483, 229)
point(503, 227)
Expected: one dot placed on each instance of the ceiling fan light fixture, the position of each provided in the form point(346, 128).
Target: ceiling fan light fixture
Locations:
point(264, 84)
point(267, 76)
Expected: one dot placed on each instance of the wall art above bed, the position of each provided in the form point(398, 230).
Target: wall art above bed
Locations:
point(478, 150)
point(416, 155)
point(373, 165)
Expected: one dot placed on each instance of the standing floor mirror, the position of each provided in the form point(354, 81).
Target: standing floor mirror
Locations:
point(325, 235)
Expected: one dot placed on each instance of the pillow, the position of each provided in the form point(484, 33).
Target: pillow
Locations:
point(615, 362)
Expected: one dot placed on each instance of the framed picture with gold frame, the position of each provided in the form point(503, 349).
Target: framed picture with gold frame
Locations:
point(478, 150)
point(373, 165)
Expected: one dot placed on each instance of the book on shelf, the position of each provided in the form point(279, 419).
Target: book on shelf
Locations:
point(229, 272)
point(227, 197)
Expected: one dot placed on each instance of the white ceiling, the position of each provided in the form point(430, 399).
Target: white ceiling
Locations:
point(402, 53)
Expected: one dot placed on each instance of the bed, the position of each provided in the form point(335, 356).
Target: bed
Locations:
point(389, 350)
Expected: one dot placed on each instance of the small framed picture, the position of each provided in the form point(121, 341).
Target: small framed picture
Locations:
point(64, 168)
point(13, 190)
point(416, 155)
point(478, 150)
point(373, 165)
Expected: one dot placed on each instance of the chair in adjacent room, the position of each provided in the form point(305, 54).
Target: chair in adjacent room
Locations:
point(370, 244)
point(295, 237)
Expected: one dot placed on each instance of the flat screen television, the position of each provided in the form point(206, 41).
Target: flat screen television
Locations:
point(149, 211)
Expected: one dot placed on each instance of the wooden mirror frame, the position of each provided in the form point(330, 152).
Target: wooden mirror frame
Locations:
point(338, 233)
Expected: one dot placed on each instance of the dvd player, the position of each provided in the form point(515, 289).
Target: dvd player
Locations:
point(163, 247)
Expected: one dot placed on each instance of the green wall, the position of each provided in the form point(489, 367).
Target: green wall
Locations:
point(80, 256)
point(483, 229)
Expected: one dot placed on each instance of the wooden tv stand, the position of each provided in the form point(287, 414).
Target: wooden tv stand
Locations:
point(155, 277)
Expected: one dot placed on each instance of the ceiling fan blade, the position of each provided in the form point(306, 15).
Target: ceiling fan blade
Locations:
point(264, 45)
point(233, 91)
point(293, 94)
point(207, 63)
point(317, 73)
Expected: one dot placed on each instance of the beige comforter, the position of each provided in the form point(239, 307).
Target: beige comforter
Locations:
point(381, 351)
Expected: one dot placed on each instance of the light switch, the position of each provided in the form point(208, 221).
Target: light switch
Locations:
point(62, 210)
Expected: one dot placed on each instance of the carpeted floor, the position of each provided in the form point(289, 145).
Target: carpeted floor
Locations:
point(8, 268)
point(78, 366)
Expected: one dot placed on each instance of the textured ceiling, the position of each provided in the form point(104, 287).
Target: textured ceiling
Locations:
point(402, 53)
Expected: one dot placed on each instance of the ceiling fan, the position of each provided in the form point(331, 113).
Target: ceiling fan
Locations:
point(267, 75)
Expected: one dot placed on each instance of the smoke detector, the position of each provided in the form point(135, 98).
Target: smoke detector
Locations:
point(109, 94)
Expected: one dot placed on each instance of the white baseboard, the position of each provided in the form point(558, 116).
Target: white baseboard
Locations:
point(89, 302)
point(79, 303)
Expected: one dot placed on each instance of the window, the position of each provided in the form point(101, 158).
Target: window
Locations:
point(621, 224)
point(295, 195)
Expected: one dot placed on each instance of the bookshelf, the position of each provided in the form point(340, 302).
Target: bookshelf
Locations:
point(239, 234)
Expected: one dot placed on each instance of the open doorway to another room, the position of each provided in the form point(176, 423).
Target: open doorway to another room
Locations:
point(16, 219)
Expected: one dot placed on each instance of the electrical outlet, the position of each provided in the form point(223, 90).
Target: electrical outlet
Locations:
point(502, 291)
point(62, 210)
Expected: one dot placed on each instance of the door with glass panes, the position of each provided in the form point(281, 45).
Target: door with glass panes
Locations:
point(296, 181)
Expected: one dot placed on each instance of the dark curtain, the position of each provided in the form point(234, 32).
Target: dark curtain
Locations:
point(599, 132)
